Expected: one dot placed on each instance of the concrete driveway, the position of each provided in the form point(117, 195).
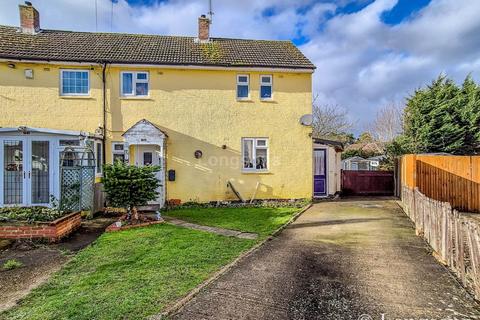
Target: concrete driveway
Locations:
point(353, 259)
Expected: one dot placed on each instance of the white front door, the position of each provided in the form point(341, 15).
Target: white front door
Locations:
point(26, 174)
point(150, 155)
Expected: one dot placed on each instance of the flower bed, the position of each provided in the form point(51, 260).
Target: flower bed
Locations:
point(48, 230)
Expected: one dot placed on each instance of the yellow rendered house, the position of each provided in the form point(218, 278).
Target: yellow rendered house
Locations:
point(213, 112)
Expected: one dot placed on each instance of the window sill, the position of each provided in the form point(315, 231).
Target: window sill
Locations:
point(268, 100)
point(256, 172)
point(244, 100)
point(135, 98)
point(77, 97)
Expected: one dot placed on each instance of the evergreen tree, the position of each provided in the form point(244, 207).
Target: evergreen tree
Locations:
point(442, 118)
point(129, 186)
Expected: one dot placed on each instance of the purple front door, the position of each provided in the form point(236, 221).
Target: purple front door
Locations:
point(319, 172)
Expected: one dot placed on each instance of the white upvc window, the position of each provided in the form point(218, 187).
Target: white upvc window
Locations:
point(255, 154)
point(266, 87)
point(243, 86)
point(74, 82)
point(118, 152)
point(134, 83)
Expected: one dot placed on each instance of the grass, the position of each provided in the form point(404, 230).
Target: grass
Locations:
point(12, 264)
point(135, 273)
point(130, 274)
point(257, 220)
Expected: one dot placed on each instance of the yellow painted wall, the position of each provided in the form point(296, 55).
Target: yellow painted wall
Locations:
point(198, 110)
point(37, 103)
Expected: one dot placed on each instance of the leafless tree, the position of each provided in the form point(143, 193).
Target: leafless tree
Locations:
point(388, 123)
point(330, 121)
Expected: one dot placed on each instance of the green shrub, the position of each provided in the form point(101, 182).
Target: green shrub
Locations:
point(129, 186)
point(12, 264)
point(29, 214)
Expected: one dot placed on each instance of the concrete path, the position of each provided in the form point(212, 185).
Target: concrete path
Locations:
point(340, 260)
point(220, 231)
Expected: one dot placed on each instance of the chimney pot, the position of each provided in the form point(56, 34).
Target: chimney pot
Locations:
point(203, 29)
point(29, 18)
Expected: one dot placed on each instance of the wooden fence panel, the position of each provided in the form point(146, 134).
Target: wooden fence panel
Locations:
point(367, 182)
point(453, 236)
point(453, 179)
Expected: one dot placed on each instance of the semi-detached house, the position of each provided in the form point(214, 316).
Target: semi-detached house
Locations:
point(208, 110)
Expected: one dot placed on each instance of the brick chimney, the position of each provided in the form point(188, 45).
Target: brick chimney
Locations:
point(29, 18)
point(203, 29)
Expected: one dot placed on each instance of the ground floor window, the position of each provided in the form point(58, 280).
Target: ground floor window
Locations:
point(118, 151)
point(255, 154)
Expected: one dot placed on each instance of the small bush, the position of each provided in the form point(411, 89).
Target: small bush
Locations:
point(129, 186)
point(12, 264)
point(29, 214)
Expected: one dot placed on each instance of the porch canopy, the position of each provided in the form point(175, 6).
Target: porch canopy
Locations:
point(144, 133)
point(148, 139)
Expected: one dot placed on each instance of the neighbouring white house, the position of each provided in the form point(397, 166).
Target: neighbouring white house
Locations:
point(327, 158)
point(359, 163)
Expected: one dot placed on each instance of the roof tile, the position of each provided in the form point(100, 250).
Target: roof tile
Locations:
point(55, 45)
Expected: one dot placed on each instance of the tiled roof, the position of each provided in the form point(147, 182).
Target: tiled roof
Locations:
point(54, 45)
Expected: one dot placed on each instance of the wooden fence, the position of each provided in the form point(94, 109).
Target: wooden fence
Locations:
point(453, 179)
point(363, 182)
point(454, 236)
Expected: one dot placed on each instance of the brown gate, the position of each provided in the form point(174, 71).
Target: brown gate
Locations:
point(371, 183)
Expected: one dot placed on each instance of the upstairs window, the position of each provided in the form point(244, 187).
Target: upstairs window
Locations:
point(265, 87)
point(243, 86)
point(74, 82)
point(255, 154)
point(134, 83)
point(118, 152)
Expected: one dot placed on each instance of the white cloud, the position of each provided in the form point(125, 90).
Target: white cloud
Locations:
point(361, 62)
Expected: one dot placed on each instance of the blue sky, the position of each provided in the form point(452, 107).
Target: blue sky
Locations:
point(368, 53)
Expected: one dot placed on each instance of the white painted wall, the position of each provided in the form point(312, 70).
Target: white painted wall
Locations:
point(334, 166)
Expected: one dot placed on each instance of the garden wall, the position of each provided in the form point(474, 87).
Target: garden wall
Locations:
point(51, 231)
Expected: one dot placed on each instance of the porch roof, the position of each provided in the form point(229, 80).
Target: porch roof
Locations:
point(26, 130)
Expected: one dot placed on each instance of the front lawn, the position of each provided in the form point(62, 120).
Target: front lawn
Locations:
point(261, 220)
point(130, 274)
point(135, 273)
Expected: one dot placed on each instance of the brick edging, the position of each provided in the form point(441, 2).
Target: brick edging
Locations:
point(179, 304)
point(50, 230)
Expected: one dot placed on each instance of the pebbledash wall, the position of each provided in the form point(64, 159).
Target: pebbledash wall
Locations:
point(197, 109)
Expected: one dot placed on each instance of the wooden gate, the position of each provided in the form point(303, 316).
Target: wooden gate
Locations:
point(371, 183)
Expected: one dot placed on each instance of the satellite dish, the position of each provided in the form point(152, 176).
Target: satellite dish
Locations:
point(306, 120)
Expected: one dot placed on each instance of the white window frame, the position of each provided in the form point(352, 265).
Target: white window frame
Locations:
point(134, 83)
point(265, 84)
point(243, 84)
point(254, 155)
point(74, 94)
point(122, 152)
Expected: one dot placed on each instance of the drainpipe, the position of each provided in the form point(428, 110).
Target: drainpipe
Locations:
point(104, 87)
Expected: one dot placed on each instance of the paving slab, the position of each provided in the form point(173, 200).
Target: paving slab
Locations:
point(220, 231)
